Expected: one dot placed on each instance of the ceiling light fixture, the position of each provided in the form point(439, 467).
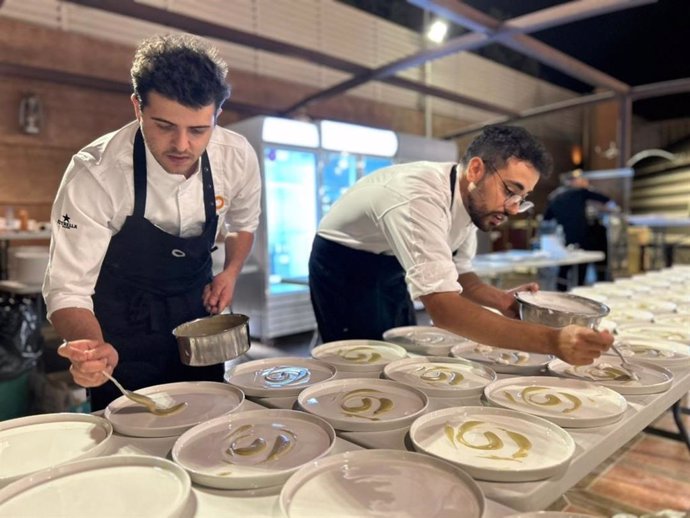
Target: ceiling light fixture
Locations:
point(437, 31)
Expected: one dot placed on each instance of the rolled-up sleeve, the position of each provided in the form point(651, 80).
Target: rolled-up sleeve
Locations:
point(79, 241)
point(417, 231)
point(465, 253)
point(244, 208)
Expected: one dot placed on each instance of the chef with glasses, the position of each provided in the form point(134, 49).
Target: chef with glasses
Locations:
point(408, 231)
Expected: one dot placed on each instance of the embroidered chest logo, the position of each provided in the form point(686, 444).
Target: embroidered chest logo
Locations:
point(66, 222)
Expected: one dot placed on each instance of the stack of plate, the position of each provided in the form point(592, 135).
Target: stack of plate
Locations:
point(675, 333)
point(508, 361)
point(674, 319)
point(447, 381)
point(569, 403)
point(358, 358)
point(277, 381)
point(362, 404)
point(254, 449)
point(660, 352)
point(119, 485)
point(205, 400)
point(608, 371)
point(381, 483)
point(30, 444)
point(494, 443)
point(427, 340)
point(654, 306)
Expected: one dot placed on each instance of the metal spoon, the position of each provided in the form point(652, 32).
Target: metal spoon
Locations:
point(627, 366)
point(150, 404)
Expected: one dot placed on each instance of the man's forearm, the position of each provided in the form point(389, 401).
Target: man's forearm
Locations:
point(463, 317)
point(238, 245)
point(476, 290)
point(76, 324)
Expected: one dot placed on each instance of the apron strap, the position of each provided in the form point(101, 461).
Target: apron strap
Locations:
point(453, 179)
point(209, 192)
point(139, 158)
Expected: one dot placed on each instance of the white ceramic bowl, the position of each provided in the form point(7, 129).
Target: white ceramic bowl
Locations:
point(30, 444)
point(278, 377)
point(358, 358)
point(253, 449)
point(441, 376)
point(363, 404)
point(494, 443)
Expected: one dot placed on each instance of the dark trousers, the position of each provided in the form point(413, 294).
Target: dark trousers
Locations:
point(356, 294)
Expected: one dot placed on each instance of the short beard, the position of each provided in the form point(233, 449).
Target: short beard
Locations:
point(475, 214)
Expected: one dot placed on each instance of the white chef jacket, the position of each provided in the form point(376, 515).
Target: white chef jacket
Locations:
point(405, 210)
point(97, 194)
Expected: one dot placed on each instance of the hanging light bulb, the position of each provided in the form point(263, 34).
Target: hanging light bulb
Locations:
point(437, 31)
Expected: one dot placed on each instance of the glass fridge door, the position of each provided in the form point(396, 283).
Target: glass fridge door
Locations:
point(338, 173)
point(369, 164)
point(291, 218)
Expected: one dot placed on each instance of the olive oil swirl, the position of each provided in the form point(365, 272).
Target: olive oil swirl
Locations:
point(245, 443)
point(493, 441)
point(543, 397)
point(440, 374)
point(360, 402)
point(361, 354)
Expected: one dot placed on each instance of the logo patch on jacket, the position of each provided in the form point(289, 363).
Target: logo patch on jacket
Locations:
point(66, 222)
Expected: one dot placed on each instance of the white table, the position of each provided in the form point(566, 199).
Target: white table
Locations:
point(509, 261)
point(256, 503)
point(16, 235)
point(497, 263)
point(659, 224)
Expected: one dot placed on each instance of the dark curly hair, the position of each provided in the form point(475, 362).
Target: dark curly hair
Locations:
point(496, 144)
point(181, 67)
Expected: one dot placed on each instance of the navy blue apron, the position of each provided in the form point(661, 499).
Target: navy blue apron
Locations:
point(357, 294)
point(149, 283)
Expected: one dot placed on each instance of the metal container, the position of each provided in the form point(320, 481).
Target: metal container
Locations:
point(556, 309)
point(214, 339)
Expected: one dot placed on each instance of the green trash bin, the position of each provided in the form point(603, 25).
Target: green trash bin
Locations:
point(14, 395)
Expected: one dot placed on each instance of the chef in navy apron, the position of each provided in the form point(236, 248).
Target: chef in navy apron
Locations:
point(135, 220)
point(151, 282)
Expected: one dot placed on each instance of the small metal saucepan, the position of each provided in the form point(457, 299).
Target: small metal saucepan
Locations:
point(557, 309)
point(214, 339)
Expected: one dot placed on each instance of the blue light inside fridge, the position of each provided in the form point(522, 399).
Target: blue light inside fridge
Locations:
point(339, 172)
point(369, 164)
point(290, 186)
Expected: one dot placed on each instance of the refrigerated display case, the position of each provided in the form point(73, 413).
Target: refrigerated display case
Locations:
point(305, 168)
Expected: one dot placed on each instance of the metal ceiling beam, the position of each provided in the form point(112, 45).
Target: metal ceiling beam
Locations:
point(674, 86)
point(568, 104)
point(486, 30)
point(151, 14)
point(511, 32)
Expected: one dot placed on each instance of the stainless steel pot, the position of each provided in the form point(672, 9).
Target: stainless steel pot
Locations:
point(554, 309)
point(214, 339)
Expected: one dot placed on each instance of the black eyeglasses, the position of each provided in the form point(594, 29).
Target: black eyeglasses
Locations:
point(513, 198)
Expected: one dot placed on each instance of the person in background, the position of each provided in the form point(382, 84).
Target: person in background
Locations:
point(575, 207)
point(409, 231)
point(136, 218)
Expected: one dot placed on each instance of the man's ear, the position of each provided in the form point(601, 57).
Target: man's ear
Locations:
point(137, 107)
point(475, 170)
